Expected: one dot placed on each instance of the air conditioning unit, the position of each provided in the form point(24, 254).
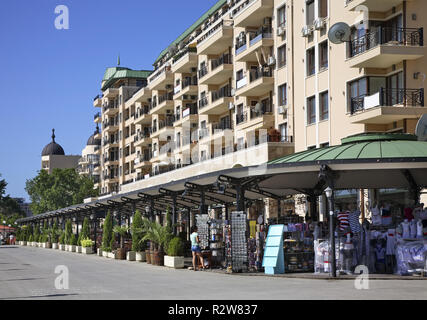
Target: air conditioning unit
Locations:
point(168, 86)
point(282, 109)
point(306, 31)
point(281, 31)
point(233, 92)
point(319, 23)
point(271, 61)
point(231, 15)
point(231, 106)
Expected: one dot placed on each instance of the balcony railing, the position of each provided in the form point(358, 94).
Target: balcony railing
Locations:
point(141, 135)
point(96, 116)
point(203, 71)
point(224, 59)
point(241, 118)
point(390, 97)
point(203, 103)
point(181, 54)
point(261, 33)
point(145, 110)
point(241, 44)
point(265, 109)
point(220, 127)
point(221, 93)
point(189, 82)
point(168, 122)
point(166, 97)
point(260, 73)
point(383, 35)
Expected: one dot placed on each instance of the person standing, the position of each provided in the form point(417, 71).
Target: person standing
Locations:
point(195, 248)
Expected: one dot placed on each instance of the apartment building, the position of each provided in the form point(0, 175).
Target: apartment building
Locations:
point(254, 80)
point(89, 163)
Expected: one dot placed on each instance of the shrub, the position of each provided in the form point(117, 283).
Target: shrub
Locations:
point(176, 247)
point(73, 240)
point(62, 238)
point(36, 234)
point(68, 232)
point(107, 233)
point(54, 232)
point(31, 239)
point(137, 233)
point(87, 243)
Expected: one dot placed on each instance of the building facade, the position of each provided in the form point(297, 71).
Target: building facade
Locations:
point(53, 157)
point(251, 81)
point(89, 163)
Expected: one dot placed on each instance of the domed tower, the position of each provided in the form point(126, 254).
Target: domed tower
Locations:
point(53, 157)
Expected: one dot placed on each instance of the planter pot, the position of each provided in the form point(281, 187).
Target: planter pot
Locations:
point(24, 243)
point(174, 262)
point(120, 254)
point(159, 258)
point(105, 254)
point(131, 256)
point(148, 256)
point(111, 255)
point(72, 248)
point(99, 252)
point(62, 247)
point(55, 246)
point(88, 250)
point(79, 249)
point(48, 245)
point(140, 256)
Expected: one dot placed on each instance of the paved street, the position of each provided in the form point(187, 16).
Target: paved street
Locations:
point(28, 273)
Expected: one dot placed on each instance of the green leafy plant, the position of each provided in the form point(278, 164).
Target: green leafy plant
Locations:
point(156, 234)
point(54, 233)
point(176, 247)
point(137, 233)
point(30, 238)
point(73, 240)
point(85, 234)
point(87, 243)
point(68, 232)
point(121, 231)
point(62, 238)
point(107, 234)
point(36, 234)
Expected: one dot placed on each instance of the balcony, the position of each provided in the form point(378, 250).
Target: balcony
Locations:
point(252, 13)
point(142, 116)
point(216, 39)
point(221, 69)
point(185, 60)
point(165, 127)
point(142, 95)
point(387, 106)
point(110, 126)
point(189, 86)
point(142, 138)
point(161, 78)
point(97, 118)
point(261, 38)
point(218, 104)
point(111, 109)
point(189, 114)
point(165, 102)
point(373, 5)
point(143, 160)
point(241, 118)
point(97, 102)
point(110, 143)
point(261, 82)
point(111, 93)
point(386, 46)
point(111, 161)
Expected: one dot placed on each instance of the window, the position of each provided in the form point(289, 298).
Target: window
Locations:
point(324, 105)
point(323, 55)
point(239, 75)
point(324, 145)
point(281, 56)
point(283, 95)
point(283, 128)
point(309, 11)
point(311, 65)
point(281, 17)
point(311, 110)
point(323, 8)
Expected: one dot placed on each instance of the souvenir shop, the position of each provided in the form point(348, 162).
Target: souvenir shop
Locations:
point(390, 237)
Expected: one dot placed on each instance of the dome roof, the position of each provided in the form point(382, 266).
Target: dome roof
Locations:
point(92, 141)
point(53, 148)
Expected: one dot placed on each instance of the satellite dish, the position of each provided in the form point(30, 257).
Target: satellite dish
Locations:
point(339, 33)
point(421, 129)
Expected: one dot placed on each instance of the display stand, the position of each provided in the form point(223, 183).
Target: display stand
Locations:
point(274, 262)
point(239, 250)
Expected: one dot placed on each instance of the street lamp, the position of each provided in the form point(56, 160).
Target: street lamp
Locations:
point(330, 195)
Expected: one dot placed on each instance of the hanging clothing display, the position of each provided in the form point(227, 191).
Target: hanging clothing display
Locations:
point(354, 221)
point(343, 221)
point(376, 216)
point(391, 242)
point(406, 230)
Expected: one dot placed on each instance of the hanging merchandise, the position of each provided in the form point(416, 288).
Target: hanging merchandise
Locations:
point(203, 230)
point(216, 241)
point(239, 249)
point(376, 216)
point(353, 219)
point(411, 257)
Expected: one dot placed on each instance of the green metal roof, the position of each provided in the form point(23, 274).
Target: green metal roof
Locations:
point(116, 73)
point(193, 27)
point(364, 146)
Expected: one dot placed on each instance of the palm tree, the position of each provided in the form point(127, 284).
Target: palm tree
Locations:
point(155, 233)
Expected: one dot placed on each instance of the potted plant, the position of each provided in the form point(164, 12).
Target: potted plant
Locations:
point(121, 231)
point(62, 245)
point(36, 235)
point(54, 232)
point(68, 234)
point(175, 251)
point(158, 237)
point(87, 246)
point(73, 243)
point(107, 235)
point(138, 247)
point(83, 235)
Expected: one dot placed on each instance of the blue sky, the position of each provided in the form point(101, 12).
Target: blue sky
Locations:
point(49, 77)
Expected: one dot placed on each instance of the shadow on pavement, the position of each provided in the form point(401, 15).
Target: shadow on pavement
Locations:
point(45, 296)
